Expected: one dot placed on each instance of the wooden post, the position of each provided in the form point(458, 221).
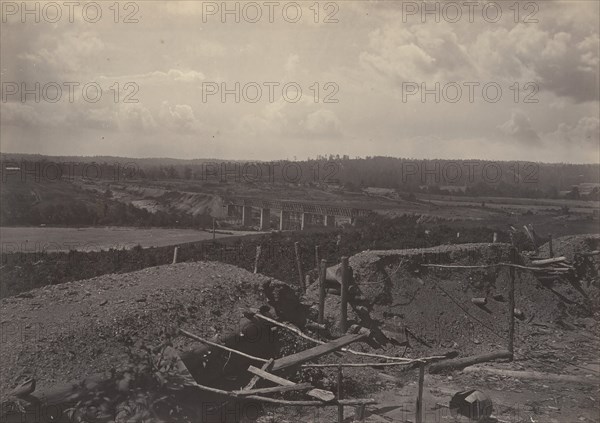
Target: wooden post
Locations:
point(344, 294)
point(550, 246)
point(359, 413)
point(299, 264)
point(257, 258)
point(322, 274)
point(340, 394)
point(495, 239)
point(419, 408)
point(317, 259)
point(214, 233)
point(175, 254)
point(306, 281)
point(511, 303)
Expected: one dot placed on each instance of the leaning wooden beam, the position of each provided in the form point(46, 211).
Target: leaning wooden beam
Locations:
point(214, 344)
point(284, 402)
point(283, 325)
point(269, 376)
point(548, 261)
point(275, 389)
point(487, 266)
point(348, 350)
point(461, 363)
point(320, 394)
point(266, 367)
point(310, 365)
point(316, 352)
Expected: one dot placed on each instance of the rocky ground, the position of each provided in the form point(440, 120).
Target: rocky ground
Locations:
point(65, 332)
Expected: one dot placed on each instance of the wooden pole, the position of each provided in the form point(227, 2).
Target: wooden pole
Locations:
point(359, 413)
point(317, 258)
point(419, 410)
point(223, 347)
point(214, 233)
point(299, 264)
point(461, 363)
point(495, 239)
point(511, 303)
point(550, 246)
point(322, 274)
point(175, 254)
point(340, 394)
point(257, 258)
point(344, 294)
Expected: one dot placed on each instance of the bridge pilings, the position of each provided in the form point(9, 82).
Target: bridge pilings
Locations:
point(246, 215)
point(265, 219)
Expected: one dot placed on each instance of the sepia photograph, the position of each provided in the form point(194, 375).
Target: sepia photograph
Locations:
point(238, 211)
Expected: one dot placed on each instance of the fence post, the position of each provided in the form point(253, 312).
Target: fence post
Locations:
point(511, 303)
point(550, 246)
point(299, 264)
point(419, 408)
point(175, 254)
point(344, 294)
point(317, 258)
point(340, 394)
point(495, 239)
point(322, 275)
point(257, 258)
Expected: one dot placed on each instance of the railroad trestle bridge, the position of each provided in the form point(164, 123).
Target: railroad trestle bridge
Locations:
point(306, 211)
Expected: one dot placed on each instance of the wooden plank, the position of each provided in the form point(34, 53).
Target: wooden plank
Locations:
point(266, 367)
point(269, 376)
point(548, 261)
point(320, 394)
point(316, 352)
point(275, 389)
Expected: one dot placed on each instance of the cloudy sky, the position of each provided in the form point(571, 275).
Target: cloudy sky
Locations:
point(342, 77)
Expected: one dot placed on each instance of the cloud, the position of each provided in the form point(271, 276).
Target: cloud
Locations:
point(585, 131)
point(416, 53)
point(69, 54)
point(322, 123)
point(565, 63)
point(178, 117)
point(519, 127)
point(19, 114)
point(292, 62)
point(300, 119)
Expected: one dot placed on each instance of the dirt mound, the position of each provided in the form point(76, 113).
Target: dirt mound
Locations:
point(66, 332)
point(571, 245)
point(432, 307)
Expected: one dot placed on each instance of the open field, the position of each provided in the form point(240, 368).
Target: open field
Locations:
point(513, 204)
point(52, 239)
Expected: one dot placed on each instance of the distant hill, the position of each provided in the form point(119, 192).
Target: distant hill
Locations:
point(462, 177)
